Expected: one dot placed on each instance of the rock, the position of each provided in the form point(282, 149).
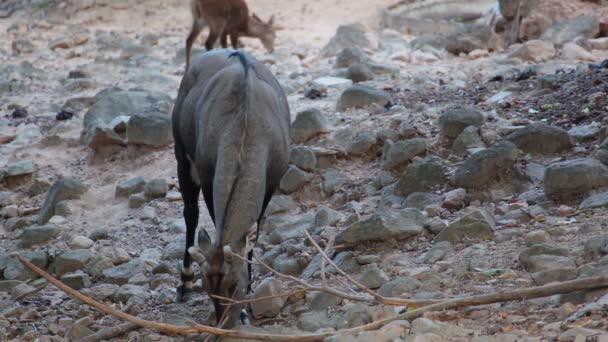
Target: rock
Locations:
point(326, 216)
point(15, 223)
point(454, 200)
point(268, 308)
point(69, 42)
point(320, 301)
point(508, 8)
point(303, 157)
point(575, 52)
point(399, 286)
point(114, 102)
point(453, 122)
point(177, 226)
point(10, 211)
point(120, 275)
point(156, 188)
point(421, 200)
point(585, 132)
point(293, 180)
point(540, 250)
point(71, 261)
point(475, 226)
point(284, 227)
point(174, 250)
point(387, 224)
point(534, 51)
point(20, 168)
point(322, 83)
point(362, 143)
point(426, 326)
point(373, 277)
point(360, 95)
point(281, 204)
point(125, 292)
point(314, 320)
point(99, 234)
point(568, 30)
point(468, 139)
point(308, 124)
point(596, 248)
point(359, 72)
point(333, 181)
point(81, 242)
point(137, 201)
point(151, 129)
point(130, 187)
point(420, 176)
point(472, 37)
point(536, 237)
point(349, 56)
point(13, 269)
point(540, 138)
point(554, 275)
point(486, 166)
point(398, 155)
point(287, 264)
point(76, 280)
point(66, 188)
point(347, 36)
point(437, 253)
point(569, 179)
point(38, 235)
point(77, 332)
point(599, 200)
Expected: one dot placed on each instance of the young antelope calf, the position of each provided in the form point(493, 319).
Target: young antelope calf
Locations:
point(227, 18)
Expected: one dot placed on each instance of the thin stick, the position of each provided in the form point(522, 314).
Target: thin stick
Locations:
point(168, 328)
point(110, 332)
point(521, 294)
point(230, 301)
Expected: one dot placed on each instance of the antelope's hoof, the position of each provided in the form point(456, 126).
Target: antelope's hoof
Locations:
point(245, 318)
point(183, 294)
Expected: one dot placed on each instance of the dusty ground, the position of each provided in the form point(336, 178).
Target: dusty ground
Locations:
point(424, 89)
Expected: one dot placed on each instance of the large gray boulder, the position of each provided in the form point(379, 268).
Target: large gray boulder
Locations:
point(387, 224)
point(540, 138)
point(112, 103)
point(486, 166)
point(570, 179)
point(347, 36)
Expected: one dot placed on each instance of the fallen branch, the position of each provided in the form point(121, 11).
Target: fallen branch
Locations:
point(230, 301)
point(521, 294)
point(110, 332)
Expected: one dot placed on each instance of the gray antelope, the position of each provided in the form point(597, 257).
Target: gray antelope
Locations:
point(231, 126)
point(227, 18)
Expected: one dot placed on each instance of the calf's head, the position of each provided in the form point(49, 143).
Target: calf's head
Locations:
point(225, 274)
point(265, 31)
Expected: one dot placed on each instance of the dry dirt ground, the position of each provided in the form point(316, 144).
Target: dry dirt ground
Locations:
point(423, 89)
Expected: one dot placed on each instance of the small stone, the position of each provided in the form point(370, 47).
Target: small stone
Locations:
point(38, 235)
point(81, 242)
point(435, 225)
point(71, 261)
point(554, 275)
point(268, 308)
point(99, 234)
point(333, 181)
point(475, 226)
point(399, 287)
point(76, 280)
point(599, 200)
point(348, 56)
point(487, 166)
point(120, 275)
point(320, 301)
point(156, 188)
point(130, 187)
point(535, 51)
point(137, 201)
point(387, 224)
point(20, 168)
point(455, 199)
point(359, 72)
point(426, 326)
point(125, 292)
point(303, 157)
point(453, 122)
point(308, 123)
point(467, 140)
point(151, 129)
point(540, 138)
point(398, 155)
point(359, 95)
point(9, 211)
point(373, 277)
point(438, 252)
point(293, 180)
point(569, 179)
point(332, 82)
point(421, 200)
point(64, 189)
point(362, 144)
point(536, 237)
point(420, 176)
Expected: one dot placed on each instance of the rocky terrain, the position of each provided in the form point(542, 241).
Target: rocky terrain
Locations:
point(444, 161)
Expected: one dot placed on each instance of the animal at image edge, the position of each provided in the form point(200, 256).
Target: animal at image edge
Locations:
point(231, 126)
point(227, 18)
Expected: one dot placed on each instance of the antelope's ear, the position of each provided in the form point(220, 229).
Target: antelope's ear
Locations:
point(271, 20)
point(254, 16)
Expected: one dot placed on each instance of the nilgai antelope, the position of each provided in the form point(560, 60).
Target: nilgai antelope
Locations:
point(231, 126)
point(227, 18)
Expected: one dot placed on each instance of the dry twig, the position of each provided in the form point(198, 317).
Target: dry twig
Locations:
point(110, 332)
